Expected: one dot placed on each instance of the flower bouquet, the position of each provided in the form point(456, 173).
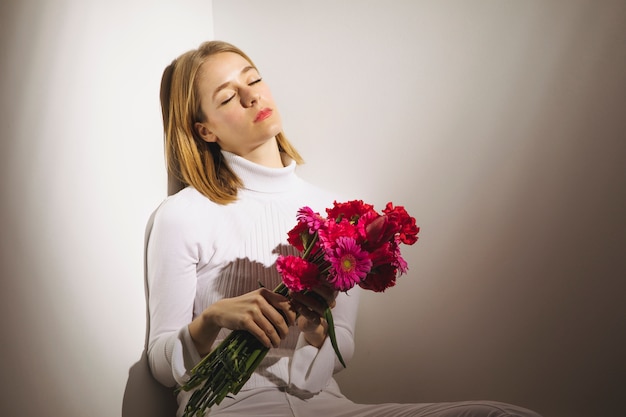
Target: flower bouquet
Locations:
point(353, 245)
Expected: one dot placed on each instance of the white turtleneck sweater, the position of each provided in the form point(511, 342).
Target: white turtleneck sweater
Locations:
point(199, 252)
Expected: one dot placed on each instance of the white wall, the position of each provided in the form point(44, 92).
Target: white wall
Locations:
point(500, 125)
point(81, 169)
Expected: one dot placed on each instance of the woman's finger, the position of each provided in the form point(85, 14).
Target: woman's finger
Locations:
point(312, 300)
point(282, 306)
point(269, 330)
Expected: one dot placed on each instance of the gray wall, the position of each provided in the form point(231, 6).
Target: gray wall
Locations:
point(500, 125)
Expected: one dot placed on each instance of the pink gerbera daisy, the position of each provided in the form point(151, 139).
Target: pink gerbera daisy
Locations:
point(312, 219)
point(350, 264)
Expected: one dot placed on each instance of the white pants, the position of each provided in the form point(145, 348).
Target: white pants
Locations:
point(271, 402)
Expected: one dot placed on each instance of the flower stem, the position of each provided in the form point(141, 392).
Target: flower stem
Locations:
point(225, 370)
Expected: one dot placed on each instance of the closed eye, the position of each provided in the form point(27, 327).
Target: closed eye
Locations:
point(228, 99)
point(233, 96)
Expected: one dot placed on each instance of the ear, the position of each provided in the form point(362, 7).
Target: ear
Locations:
point(204, 132)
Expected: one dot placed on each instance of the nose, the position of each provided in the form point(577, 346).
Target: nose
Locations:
point(249, 97)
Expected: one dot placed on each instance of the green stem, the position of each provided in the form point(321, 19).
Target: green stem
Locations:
point(227, 368)
point(328, 315)
point(309, 246)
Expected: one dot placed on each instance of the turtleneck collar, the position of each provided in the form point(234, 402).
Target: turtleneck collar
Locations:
point(260, 178)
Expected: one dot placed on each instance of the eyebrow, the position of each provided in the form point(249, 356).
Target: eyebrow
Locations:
point(227, 83)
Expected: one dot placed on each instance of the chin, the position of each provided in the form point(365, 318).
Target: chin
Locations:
point(275, 129)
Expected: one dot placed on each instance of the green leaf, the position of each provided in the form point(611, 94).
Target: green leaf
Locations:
point(328, 315)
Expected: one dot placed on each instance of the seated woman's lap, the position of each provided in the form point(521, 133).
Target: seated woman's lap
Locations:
point(276, 403)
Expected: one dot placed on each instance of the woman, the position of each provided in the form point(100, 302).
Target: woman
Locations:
point(216, 238)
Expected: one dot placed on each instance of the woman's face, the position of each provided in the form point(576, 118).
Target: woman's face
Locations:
point(240, 113)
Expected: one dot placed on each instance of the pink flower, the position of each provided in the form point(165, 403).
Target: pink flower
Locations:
point(350, 264)
point(312, 219)
point(400, 262)
point(297, 274)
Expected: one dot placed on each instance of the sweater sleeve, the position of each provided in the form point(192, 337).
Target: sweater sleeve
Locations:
point(311, 368)
point(172, 256)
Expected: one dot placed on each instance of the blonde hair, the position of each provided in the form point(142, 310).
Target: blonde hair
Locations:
point(191, 160)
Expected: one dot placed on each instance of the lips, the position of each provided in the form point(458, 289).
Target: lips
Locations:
point(263, 114)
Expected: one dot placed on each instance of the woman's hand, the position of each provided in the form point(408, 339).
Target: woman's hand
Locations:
point(311, 308)
point(263, 313)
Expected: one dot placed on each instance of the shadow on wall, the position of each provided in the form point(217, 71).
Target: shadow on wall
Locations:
point(144, 396)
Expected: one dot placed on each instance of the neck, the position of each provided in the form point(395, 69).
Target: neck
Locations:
point(267, 154)
point(261, 178)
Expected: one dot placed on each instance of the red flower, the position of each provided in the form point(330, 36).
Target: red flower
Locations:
point(333, 231)
point(350, 210)
point(295, 236)
point(297, 274)
point(385, 254)
point(380, 278)
point(407, 228)
point(378, 230)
